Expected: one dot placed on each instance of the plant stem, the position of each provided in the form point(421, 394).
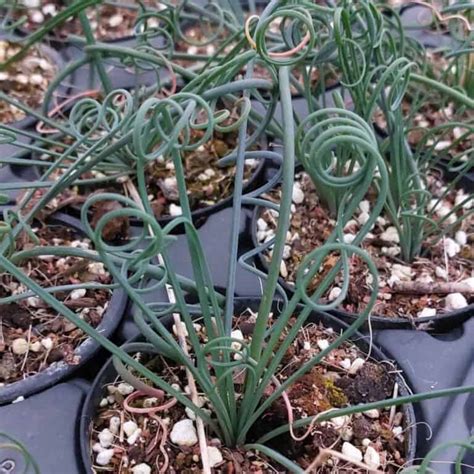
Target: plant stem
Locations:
point(455, 94)
point(284, 213)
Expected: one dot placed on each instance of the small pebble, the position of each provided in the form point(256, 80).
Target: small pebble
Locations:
point(323, 344)
point(133, 438)
point(31, 3)
point(351, 224)
point(363, 218)
point(115, 20)
point(114, 424)
point(129, 427)
point(461, 237)
point(236, 334)
point(345, 363)
point(425, 278)
point(364, 206)
point(351, 451)
point(262, 224)
point(184, 433)
point(442, 144)
point(340, 421)
point(125, 389)
point(36, 346)
point(141, 469)
point(78, 294)
point(441, 273)
point(298, 194)
point(469, 282)
point(446, 213)
point(97, 448)
point(372, 413)
point(400, 273)
point(372, 458)
point(20, 346)
point(215, 456)
point(37, 17)
point(455, 301)
point(347, 433)
point(392, 251)
point(150, 402)
point(397, 432)
point(49, 9)
point(451, 247)
point(427, 313)
point(390, 235)
point(334, 293)
point(36, 79)
point(356, 365)
point(175, 210)
point(106, 438)
point(348, 238)
point(190, 413)
point(104, 457)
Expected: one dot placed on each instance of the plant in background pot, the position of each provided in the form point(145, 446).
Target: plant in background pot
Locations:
point(423, 215)
point(38, 347)
point(108, 21)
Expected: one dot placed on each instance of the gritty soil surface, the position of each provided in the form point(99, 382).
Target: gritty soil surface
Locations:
point(449, 260)
point(25, 80)
point(108, 22)
point(33, 335)
point(453, 141)
point(206, 182)
point(121, 439)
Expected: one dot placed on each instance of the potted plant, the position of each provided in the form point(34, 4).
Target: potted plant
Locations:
point(410, 227)
point(38, 347)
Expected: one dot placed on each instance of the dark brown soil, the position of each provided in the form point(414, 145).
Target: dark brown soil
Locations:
point(108, 22)
point(207, 183)
point(331, 384)
point(311, 225)
point(25, 80)
point(429, 116)
point(48, 336)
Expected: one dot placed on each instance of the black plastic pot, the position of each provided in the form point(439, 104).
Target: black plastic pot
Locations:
point(58, 371)
point(443, 322)
point(108, 374)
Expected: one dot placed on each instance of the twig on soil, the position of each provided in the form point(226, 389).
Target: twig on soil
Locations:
point(27, 350)
point(393, 408)
point(420, 288)
point(325, 453)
